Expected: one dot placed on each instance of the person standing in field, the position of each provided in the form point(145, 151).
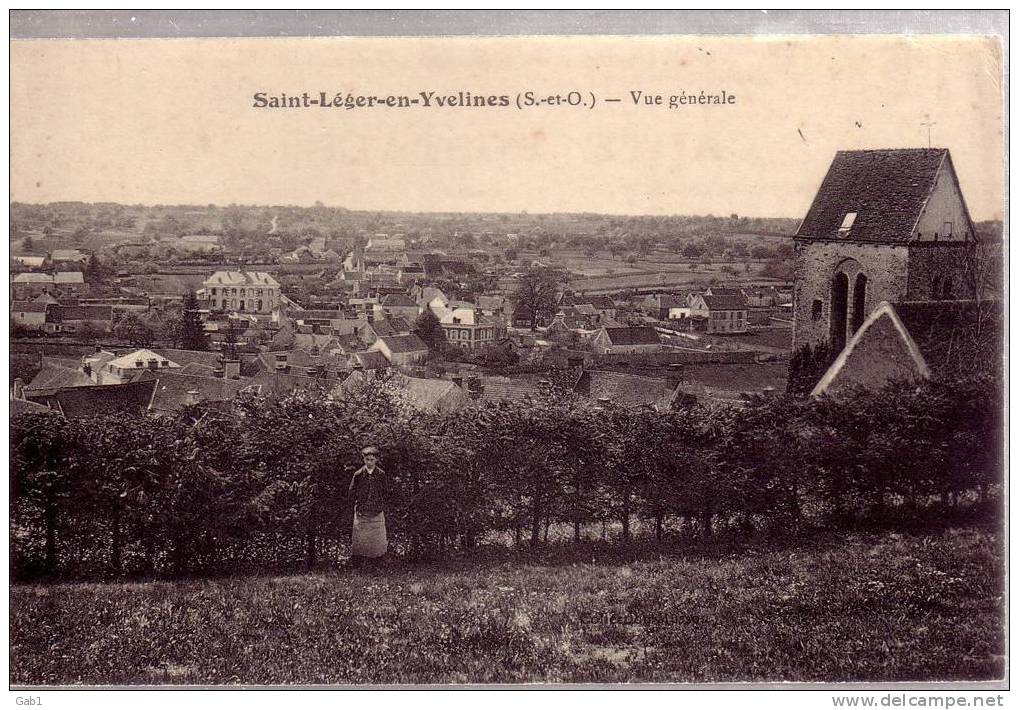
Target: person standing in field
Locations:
point(368, 489)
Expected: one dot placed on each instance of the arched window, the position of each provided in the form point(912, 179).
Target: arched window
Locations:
point(839, 311)
point(859, 301)
point(936, 288)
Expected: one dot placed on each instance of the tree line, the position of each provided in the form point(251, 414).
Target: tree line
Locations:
point(262, 484)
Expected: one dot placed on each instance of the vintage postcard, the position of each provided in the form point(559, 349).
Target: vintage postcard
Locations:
point(663, 358)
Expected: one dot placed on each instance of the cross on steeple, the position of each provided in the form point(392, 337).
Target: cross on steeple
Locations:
point(928, 124)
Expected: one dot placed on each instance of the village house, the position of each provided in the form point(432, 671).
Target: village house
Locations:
point(761, 296)
point(397, 305)
point(29, 313)
point(61, 284)
point(626, 339)
point(401, 350)
point(31, 261)
point(466, 328)
point(70, 319)
point(329, 322)
point(106, 368)
point(721, 314)
point(76, 401)
point(425, 394)
point(242, 291)
point(69, 256)
point(198, 243)
point(386, 327)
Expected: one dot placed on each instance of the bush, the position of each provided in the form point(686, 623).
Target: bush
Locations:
point(263, 485)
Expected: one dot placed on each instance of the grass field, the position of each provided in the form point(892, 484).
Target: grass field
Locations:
point(851, 607)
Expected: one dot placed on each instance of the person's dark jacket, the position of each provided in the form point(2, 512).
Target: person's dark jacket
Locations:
point(369, 491)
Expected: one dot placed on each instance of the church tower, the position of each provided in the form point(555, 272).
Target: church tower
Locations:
point(886, 225)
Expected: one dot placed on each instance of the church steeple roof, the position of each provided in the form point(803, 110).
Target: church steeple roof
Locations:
point(874, 195)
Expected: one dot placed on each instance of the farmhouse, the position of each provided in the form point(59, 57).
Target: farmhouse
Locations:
point(722, 314)
point(626, 340)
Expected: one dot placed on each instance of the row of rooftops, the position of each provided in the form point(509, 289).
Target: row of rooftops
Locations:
point(241, 278)
point(60, 277)
point(59, 313)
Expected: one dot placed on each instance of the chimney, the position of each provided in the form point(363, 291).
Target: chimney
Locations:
point(232, 369)
point(218, 370)
point(153, 364)
point(191, 398)
point(19, 388)
point(475, 387)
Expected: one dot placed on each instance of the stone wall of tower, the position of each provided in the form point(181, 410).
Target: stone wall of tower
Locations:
point(886, 267)
point(931, 263)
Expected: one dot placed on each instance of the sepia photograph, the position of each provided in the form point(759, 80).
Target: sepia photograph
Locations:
point(509, 349)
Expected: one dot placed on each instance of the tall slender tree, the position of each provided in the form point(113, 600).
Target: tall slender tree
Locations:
point(192, 331)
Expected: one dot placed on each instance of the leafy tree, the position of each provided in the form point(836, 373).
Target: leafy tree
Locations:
point(134, 330)
point(429, 329)
point(806, 368)
point(89, 331)
point(537, 293)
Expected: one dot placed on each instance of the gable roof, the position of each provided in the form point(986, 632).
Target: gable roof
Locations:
point(317, 315)
point(32, 278)
point(241, 278)
point(726, 303)
point(28, 306)
point(398, 299)
point(632, 335)
point(404, 343)
point(511, 389)
point(371, 360)
point(62, 314)
point(23, 406)
point(68, 277)
point(96, 399)
point(886, 189)
point(391, 326)
point(53, 374)
point(184, 357)
point(171, 389)
point(131, 359)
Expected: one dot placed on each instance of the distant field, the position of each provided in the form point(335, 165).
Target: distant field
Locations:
point(847, 607)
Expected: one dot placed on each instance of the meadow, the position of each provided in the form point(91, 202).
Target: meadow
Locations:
point(848, 606)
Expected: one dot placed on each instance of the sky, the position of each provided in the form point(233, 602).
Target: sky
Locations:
point(172, 121)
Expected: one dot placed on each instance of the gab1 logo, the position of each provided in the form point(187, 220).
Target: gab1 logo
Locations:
point(28, 700)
